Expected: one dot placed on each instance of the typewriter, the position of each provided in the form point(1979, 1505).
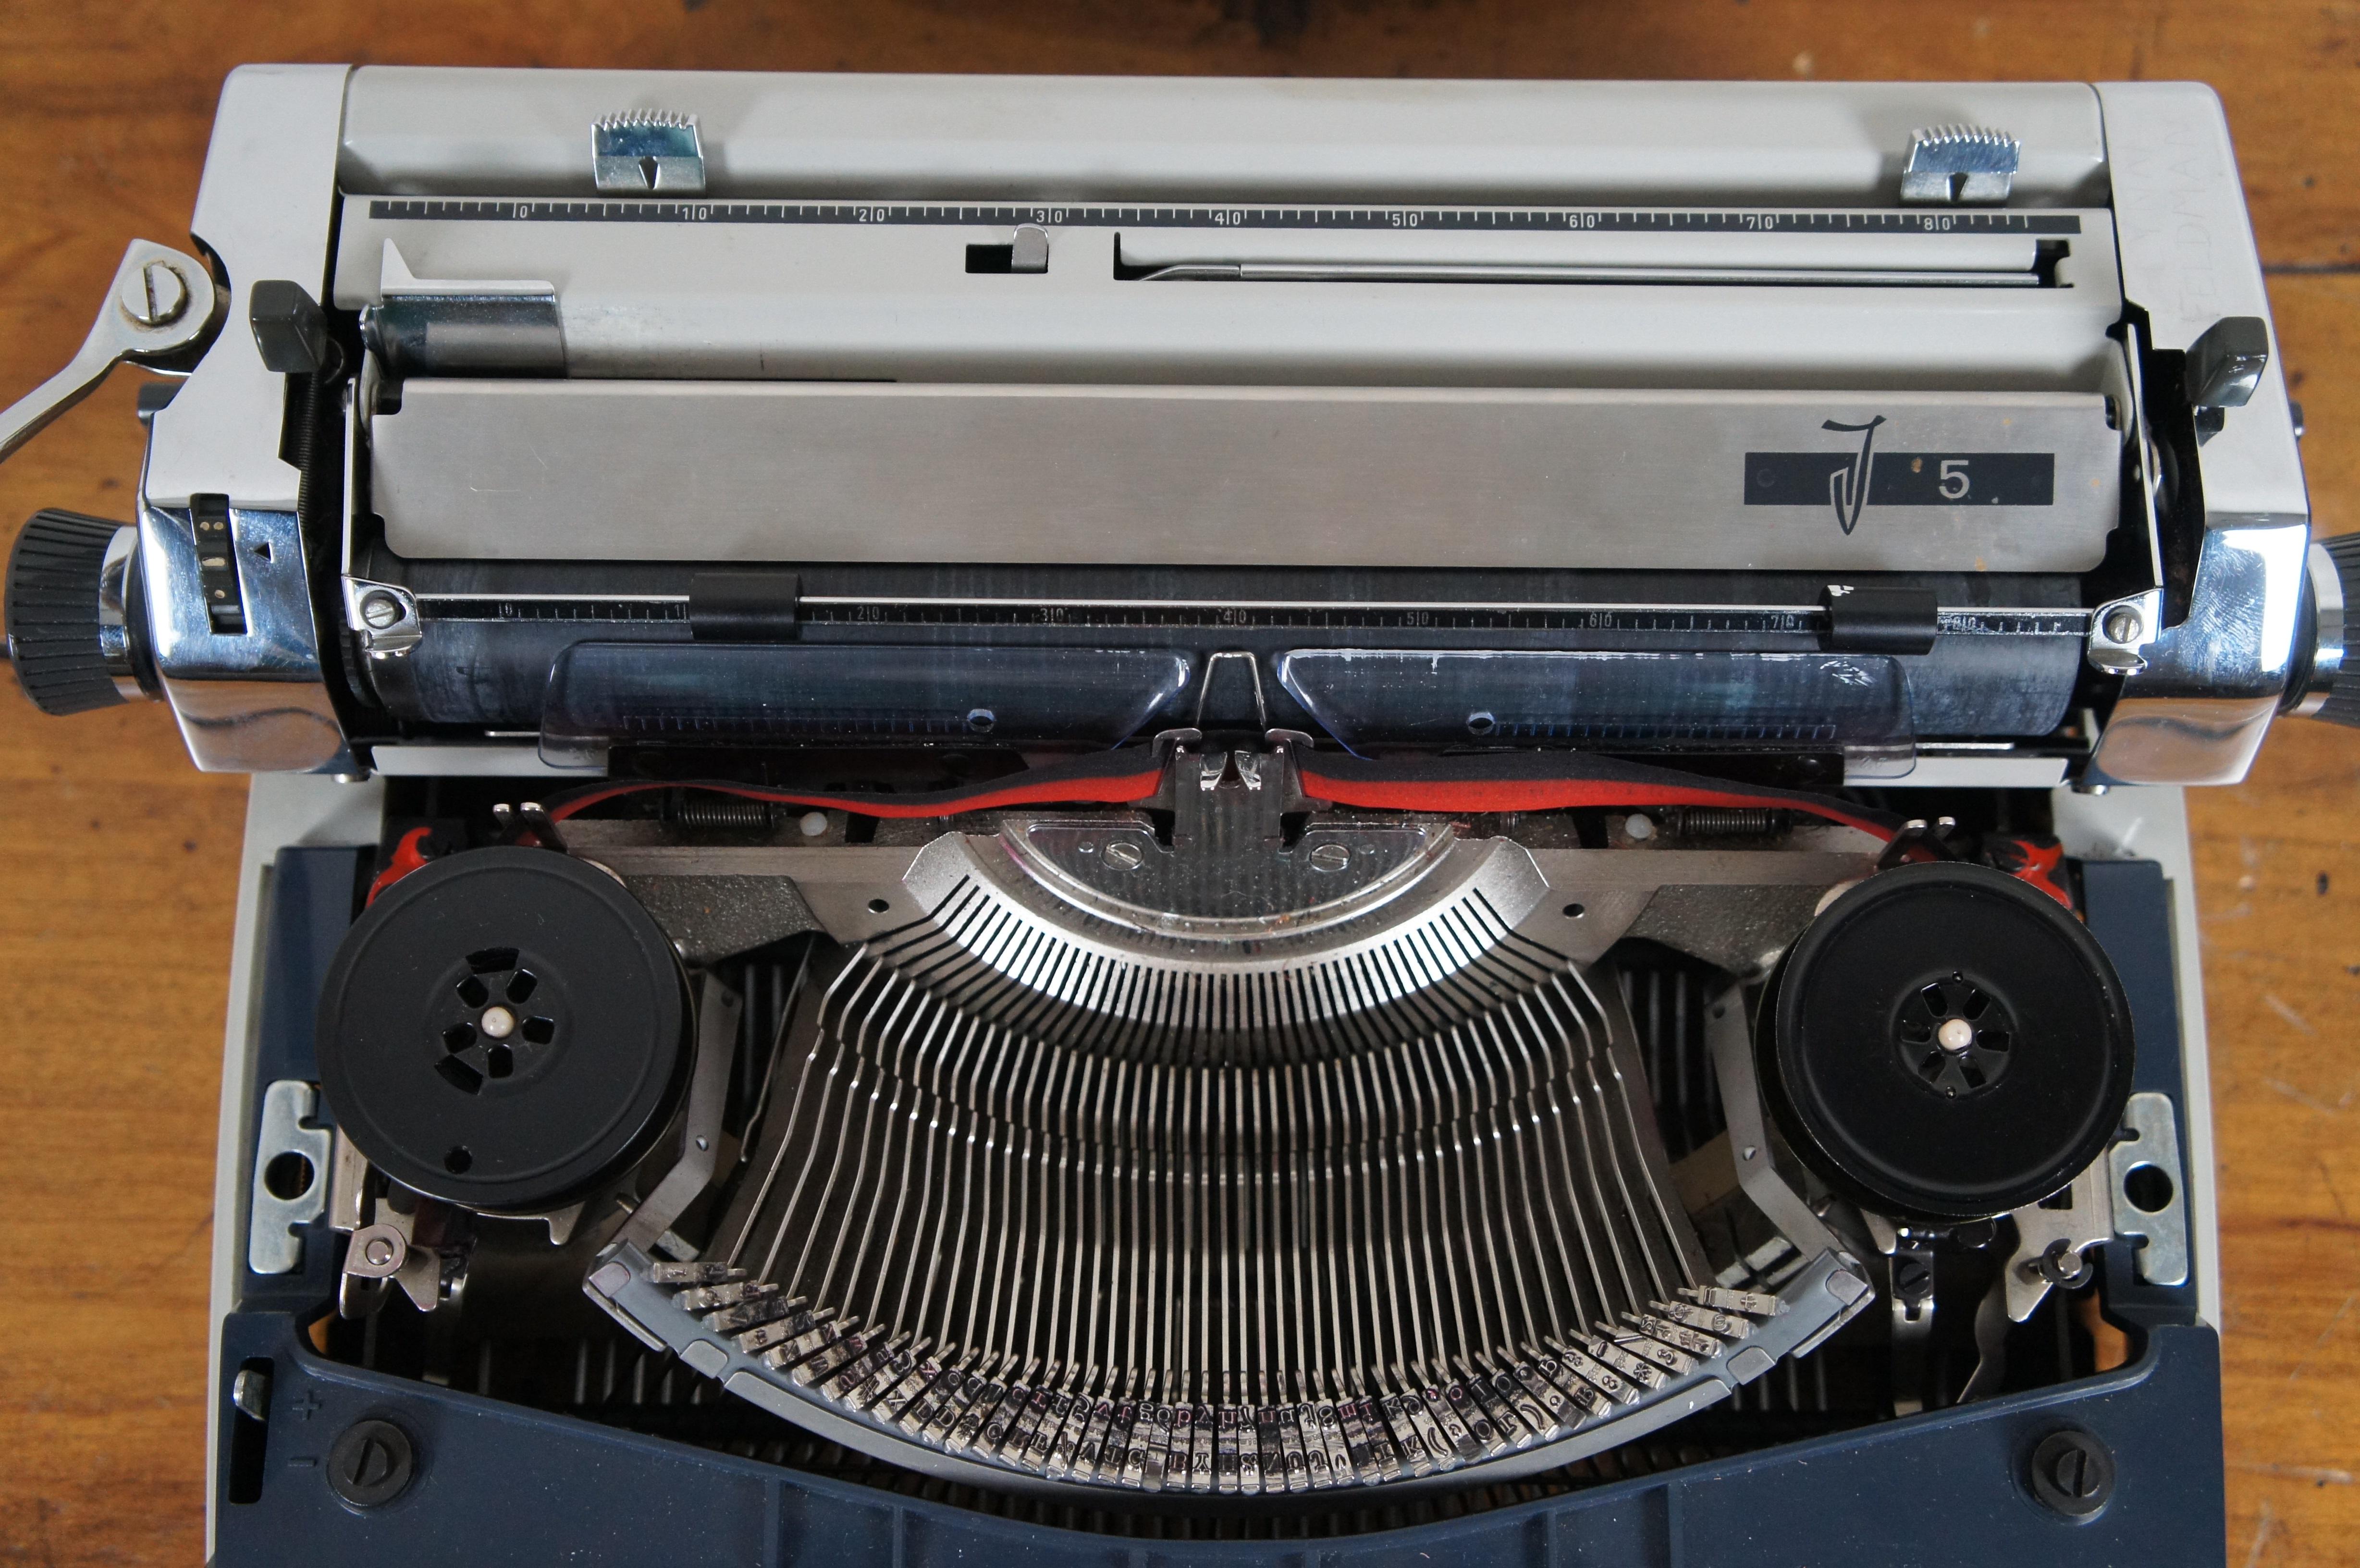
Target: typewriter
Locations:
point(1206, 821)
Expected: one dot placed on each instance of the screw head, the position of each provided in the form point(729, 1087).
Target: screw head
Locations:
point(2122, 625)
point(1125, 855)
point(371, 1463)
point(1331, 858)
point(377, 1252)
point(379, 610)
point(2072, 1474)
point(2063, 1266)
point(157, 297)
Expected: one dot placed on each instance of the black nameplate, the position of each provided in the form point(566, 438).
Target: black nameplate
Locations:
point(1903, 478)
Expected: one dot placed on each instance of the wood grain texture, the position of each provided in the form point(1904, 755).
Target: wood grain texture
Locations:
point(116, 892)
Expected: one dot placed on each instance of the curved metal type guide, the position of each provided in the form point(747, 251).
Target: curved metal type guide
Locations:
point(1286, 1186)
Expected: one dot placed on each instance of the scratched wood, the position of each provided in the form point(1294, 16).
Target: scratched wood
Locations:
point(116, 890)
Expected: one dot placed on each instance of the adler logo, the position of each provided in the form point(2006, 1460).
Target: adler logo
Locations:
point(1849, 480)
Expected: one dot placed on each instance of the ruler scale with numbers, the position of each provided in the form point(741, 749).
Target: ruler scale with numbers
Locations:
point(1095, 215)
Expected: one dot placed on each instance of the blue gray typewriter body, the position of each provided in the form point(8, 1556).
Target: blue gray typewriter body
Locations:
point(1207, 821)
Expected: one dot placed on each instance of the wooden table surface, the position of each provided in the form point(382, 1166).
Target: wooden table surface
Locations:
point(116, 885)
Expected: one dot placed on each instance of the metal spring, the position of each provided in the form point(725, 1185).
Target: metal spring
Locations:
point(719, 813)
point(1734, 822)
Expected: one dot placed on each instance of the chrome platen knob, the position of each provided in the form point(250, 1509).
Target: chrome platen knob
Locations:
point(2323, 684)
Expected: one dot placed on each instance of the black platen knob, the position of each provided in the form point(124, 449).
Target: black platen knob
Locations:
point(54, 643)
point(2325, 680)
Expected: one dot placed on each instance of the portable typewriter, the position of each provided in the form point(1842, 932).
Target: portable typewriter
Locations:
point(1206, 821)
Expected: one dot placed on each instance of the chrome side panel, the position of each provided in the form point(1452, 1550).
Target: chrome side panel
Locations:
point(2197, 713)
point(252, 701)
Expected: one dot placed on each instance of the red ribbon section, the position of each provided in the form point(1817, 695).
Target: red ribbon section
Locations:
point(1498, 782)
point(2040, 862)
point(1116, 778)
point(407, 856)
point(1543, 782)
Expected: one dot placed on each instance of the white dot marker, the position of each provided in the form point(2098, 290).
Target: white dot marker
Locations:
point(813, 824)
point(1956, 1034)
point(497, 1023)
point(1639, 826)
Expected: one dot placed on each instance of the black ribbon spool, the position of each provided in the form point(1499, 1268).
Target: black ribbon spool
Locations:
point(2031, 1087)
point(505, 1029)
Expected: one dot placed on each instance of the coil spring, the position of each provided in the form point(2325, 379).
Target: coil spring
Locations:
point(1735, 821)
point(720, 814)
